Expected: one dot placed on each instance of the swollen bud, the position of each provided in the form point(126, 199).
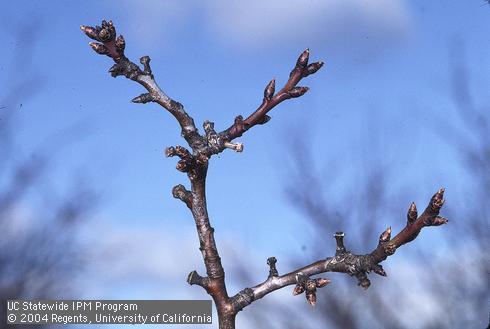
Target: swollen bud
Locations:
point(303, 59)
point(99, 48)
point(264, 120)
point(182, 166)
point(438, 199)
point(297, 91)
point(313, 67)
point(270, 89)
point(378, 269)
point(170, 151)
point(120, 44)
point(298, 289)
point(143, 98)
point(412, 214)
point(321, 282)
point(386, 235)
point(438, 220)
point(90, 32)
point(311, 297)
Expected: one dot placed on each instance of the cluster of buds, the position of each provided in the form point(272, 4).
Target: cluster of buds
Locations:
point(188, 162)
point(309, 286)
point(107, 43)
point(303, 66)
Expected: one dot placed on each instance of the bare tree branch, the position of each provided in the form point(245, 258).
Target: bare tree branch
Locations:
point(195, 164)
point(346, 262)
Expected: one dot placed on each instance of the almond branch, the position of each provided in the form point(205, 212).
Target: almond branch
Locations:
point(113, 46)
point(301, 70)
point(195, 163)
point(346, 262)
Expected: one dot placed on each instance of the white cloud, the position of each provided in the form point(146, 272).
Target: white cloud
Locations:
point(262, 23)
point(258, 22)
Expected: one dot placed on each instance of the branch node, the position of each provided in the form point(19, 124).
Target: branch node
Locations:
point(243, 298)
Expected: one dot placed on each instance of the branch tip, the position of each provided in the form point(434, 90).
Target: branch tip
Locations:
point(195, 278)
point(339, 238)
point(271, 261)
point(238, 147)
point(303, 58)
point(386, 235)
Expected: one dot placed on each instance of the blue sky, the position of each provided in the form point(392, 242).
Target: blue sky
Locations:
point(385, 83)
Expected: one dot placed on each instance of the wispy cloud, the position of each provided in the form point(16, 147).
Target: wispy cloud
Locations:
point(259, 23)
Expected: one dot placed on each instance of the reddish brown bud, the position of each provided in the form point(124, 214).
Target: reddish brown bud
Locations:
point(91, 32)
point(314, 67)
point(182, 165)
point(311, 297)
point(107, 32)
point(386, 235)
point(120, 44)
point(99, 48)
point(297, 91)
point(182, 152)
point(412, 214)
point(264, 120)
point(202, 159)
point(238, 119)
point(303, 58)
point(143, 98)
point(438, 200)
point(170, 151)
point(298, 289)
point(321, 282)
point(310, 285)
point(438, 220)
point(270, 89)
point(378, 269)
